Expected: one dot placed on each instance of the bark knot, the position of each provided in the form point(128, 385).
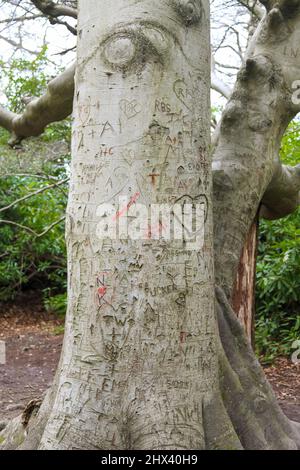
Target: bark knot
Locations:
point(190, 11)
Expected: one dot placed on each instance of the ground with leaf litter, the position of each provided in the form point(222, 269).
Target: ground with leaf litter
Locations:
point(34, 338)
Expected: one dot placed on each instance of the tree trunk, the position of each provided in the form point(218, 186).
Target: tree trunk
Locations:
point(152, 357)
point(139, 364)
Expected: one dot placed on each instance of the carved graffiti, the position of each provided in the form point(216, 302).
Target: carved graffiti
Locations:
point(130, 108)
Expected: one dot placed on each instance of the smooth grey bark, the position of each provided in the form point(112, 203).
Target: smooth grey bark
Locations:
point(246, 161)
point(115, 386)
point(245, 167)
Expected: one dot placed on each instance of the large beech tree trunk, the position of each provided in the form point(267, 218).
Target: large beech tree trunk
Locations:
point(139, 362)
point(154, 356)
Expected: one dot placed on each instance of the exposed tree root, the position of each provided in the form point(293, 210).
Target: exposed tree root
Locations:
point(248, 397)
point(13, 434)
point(25, 431)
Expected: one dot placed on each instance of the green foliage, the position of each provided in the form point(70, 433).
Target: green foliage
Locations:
point(25, 78)
point(25, 257)
point(58, 330)
point(278, 273)
point(290, 145)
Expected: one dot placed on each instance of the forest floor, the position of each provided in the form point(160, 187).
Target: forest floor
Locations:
point(33, 341)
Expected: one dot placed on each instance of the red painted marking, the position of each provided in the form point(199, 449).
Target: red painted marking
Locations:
point(153, 176)
point(153, 230)
point(182, 337)
point(102, 291)
point(121, 212)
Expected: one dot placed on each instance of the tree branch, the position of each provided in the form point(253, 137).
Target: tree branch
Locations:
point(282, 196)
point(217, 84)
point(248, 138)
point(254, 7)
point(55, 105)
point(28, 196)
point(28, 175)
point(6, 119)
point(285, 6)
point(28, 229)
point(53, 9)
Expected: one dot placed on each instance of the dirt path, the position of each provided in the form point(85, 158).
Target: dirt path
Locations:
point(285, 379)
point(33, 343)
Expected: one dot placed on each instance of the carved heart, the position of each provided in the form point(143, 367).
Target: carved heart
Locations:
point(200, 199)
point(84, 110)
point(194, 236)
point(182, 93)
point(130, 108)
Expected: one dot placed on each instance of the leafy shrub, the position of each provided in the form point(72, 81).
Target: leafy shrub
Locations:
point(56, 304)
point(27, 260)
point(278, 273)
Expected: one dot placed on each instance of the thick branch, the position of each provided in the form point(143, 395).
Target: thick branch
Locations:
point(17, 45)
point(64, 23)
point(254, 7)
point(283, 194)
point(217, 84)
point(55, 105)
point(249, 137)
point(6, 119)
point(21, 18)
point(52, 9)
point(283, 5)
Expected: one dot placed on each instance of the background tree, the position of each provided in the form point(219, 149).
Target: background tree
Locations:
point(278, 277)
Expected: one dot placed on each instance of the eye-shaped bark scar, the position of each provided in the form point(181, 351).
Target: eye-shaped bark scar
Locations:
point(131, 46)
point(120, 51)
